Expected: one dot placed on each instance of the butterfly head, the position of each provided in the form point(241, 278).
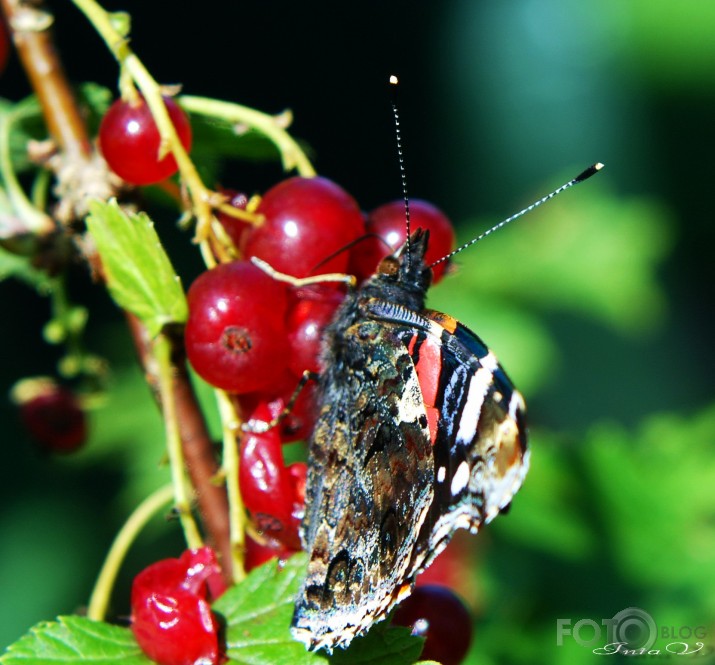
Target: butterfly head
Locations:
point(404, 274)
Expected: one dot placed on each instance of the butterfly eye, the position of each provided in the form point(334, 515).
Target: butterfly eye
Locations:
point(389, 266)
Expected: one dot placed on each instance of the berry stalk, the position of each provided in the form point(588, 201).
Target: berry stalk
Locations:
point(273, 127)
point(237, 512)
point(99, 600)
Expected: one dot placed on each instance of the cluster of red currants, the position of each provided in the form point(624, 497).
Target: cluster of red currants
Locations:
point(252, 335)
point(255, 335)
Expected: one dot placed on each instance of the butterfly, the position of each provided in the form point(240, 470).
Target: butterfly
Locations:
point(420, 432)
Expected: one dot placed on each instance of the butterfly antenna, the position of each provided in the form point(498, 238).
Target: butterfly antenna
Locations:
point(585, 175)
point(398, 135)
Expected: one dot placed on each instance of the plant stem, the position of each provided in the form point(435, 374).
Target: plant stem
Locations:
point(99, 600)
point(71, 135)
point(182, 503)
point(197, 446)
point(30, 24)
point(202, 198)
point(236, 514)
point(292, 156)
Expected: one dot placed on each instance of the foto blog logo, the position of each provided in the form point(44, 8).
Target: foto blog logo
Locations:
point(631, 631)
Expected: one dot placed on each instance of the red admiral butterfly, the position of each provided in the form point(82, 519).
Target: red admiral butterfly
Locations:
point(420, 432)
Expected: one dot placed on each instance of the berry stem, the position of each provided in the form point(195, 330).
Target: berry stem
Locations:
point(68, 130)
point(132, 66)
point(162, 348)
point(202, 198)
point(99, 600)
point(30, 24)
point(292, 156)
point(236, 512)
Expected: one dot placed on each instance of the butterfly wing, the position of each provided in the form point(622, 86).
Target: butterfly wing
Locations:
point(369, 488)
point(421, 433)
point(480, 441)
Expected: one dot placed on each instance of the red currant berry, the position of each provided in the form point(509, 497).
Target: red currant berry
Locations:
point(438, 615)
point(266, 485)
point(387, 226)
point(201, 571)
point(235, 334)
point(298, 472)
point(306, 323)
point(171, 617)
point(256, 554)
point(51, 414)
point(306, 220)
point(237, 229)
point(130, 142)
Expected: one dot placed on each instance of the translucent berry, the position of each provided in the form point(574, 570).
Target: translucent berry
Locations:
point(256, 554)
point(306, 220)
point(51, 415)
point(387, 228)
point(267, 487)
point(171, 616)
point(130, 142)
point(235, 333)
point(306, 325)
point(438, 615)
point(298, 423)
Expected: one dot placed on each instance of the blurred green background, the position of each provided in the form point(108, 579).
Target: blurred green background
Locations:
point(600, 305)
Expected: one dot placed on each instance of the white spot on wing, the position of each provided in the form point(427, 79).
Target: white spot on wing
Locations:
point(478, 386)
point(441, 473)
point(516, 402)
point(489, 362)
point(460, 479)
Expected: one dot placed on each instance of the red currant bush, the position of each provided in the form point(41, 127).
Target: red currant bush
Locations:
point(52, 415)
point(306, 220)
point(130, 142)
point(438, 615)
point(236, 327)
point(171, 616)
point(387, 230)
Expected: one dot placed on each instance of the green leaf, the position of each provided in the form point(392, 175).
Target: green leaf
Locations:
point(94, 99)
point(657, 487)
point(73, 639)
point(215, 138)
point(258, 614)
point(383, 645)
point(139, 275)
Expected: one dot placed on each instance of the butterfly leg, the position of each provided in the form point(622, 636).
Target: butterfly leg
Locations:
point(260, 426)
